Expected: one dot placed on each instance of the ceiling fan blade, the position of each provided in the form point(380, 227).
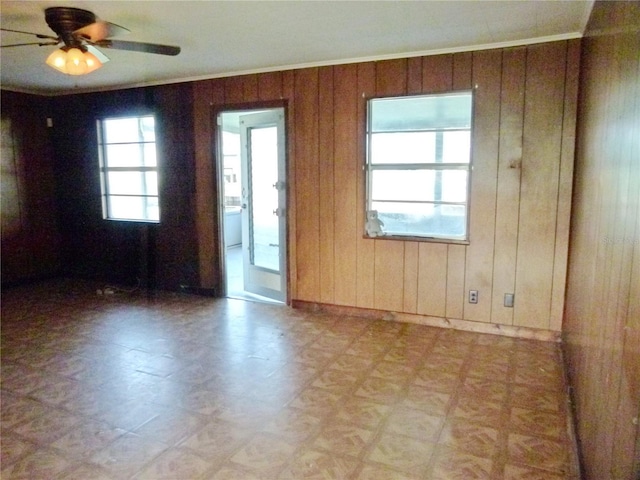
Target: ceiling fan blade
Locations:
point(95, 32)
point(40, 44)
point(99, 55)
point(38, 35)
point(139, 47)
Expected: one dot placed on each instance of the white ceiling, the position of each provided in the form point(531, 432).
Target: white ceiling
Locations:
point(222, 38)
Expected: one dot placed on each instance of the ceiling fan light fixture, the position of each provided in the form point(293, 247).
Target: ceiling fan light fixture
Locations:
point(73, 61)
point(58, 60)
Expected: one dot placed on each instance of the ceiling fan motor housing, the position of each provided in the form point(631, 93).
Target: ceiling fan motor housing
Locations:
point(66, 20)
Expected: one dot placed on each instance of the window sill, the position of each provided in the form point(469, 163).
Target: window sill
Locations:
point(408, 238)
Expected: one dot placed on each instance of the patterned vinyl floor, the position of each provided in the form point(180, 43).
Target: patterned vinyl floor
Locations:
point(179, 387)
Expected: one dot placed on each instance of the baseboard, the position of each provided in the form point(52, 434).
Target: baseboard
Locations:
point(440, 322)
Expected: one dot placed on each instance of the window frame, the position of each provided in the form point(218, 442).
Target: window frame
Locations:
point(369, 167)
point(104, 169)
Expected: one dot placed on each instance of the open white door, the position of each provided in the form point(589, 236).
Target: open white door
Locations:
point(262, 138)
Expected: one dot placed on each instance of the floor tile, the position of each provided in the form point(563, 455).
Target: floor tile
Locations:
point(264, 453)
point(86, 439)
point(405, 454)
point(475, 439)
point(217, 440)
point(538, 452)
point(452, 464)
point(414, 423)
point(127, 455)
point(314, 464)
point(40, 464)
point(175, 464)
point(343, 438)
point(362, 412)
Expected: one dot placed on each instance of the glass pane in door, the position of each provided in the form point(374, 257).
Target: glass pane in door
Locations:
point(263, 222)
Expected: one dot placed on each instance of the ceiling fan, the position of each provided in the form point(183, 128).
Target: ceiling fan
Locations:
point(80, 32)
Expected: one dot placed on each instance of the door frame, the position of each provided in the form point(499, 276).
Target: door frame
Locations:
point(218, 171)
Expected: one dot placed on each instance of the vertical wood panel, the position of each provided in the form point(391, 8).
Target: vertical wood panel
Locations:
point(326, 199)
point(479, 260)
point(270, 86)
point(391, 77)
point(233, 90)
point(250, 88)
point(437, 73)
point(346, 167)
point(567, 155)
point(508, 195)
point(365, 247)
point(456, 260)
point(410, 283)
point(205, 188)
point(432, 279)
point(462, 70)
point(414, 75)
point(388, 275)
point(307, 185)
point(544, 100)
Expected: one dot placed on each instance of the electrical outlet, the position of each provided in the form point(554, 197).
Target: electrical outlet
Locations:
point(473, 296)
point(508, 300)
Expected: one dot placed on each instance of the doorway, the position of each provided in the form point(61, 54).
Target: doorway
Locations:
point(252, 157)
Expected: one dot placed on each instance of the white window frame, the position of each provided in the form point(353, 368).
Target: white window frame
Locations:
point(438, 166)
point(105, 169)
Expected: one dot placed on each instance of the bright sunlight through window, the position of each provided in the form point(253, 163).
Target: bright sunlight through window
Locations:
point(129, 169)
point(419, 165)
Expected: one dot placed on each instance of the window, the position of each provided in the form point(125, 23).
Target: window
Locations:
point(129, 168)
point(419, 165)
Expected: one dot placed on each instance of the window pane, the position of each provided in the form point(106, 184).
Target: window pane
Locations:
point(127, 130)
point(421, 112)
point(423, 220)
point(419, 185)
point(453, 184)
point(131, 155)
point(264, 234)
point(402, 185)
point(456, 146)
point(133, 183)
point(134, 208)
point(403, 147)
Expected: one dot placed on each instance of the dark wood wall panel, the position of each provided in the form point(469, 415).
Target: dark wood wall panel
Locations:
point(161, 255)
point(330, 260)
point(602, 312)
point(30, 231)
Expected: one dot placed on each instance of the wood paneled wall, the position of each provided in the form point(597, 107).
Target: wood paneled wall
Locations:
point(30, 235)
point(602, 319)
point(158, 255)
point(524, 130)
